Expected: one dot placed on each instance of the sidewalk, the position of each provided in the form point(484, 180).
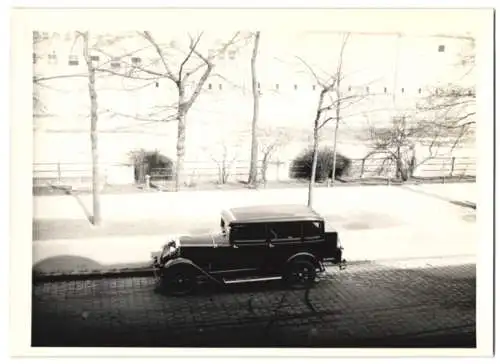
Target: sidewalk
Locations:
point(156, 206)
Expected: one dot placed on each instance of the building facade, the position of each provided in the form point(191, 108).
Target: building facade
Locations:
point(387, 75)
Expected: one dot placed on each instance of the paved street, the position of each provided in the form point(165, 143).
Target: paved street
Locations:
point(363, 306)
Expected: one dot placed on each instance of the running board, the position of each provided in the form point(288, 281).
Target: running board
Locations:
point(248, 280)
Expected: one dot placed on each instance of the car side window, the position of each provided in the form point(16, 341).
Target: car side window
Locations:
point(248, 233)
point(312, 229)
point(285, 231)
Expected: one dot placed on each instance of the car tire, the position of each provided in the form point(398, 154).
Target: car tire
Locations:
point(180, 280)
point(300, 273)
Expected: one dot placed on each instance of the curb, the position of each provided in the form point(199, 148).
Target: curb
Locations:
point(146, 271)
point(465, 204)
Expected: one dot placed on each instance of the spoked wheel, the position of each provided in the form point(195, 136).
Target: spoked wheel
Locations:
point(179, 281)
point(300, 274)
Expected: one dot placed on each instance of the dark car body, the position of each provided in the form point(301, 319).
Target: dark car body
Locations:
point(255, 241)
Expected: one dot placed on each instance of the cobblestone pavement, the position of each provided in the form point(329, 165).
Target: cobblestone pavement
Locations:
point(363, 306)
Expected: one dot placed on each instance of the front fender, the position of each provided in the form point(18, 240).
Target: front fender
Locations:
point(176, 261)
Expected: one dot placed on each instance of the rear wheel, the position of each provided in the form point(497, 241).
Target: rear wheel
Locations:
point(300, 273)
point(179, 280)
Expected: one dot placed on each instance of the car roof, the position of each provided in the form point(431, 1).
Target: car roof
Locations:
point(270, 213)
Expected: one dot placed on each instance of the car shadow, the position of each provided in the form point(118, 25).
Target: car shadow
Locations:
point(73, 267)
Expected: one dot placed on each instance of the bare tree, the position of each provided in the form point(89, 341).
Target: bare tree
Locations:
point(327, 103)
point(396, 144)
point(452, 107)
point(193, 65)
point(270, 140)
point(96, 204)
point(252, 177)
point(338, 77)
point(91, 77)
point(224, 164)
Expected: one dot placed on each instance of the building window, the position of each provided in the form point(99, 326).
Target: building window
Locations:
point(295, 87)
point(209, 86)
point(94, 58)
point(419, 90)
point(136, 60)
point(34, 58)
point(258, 85)
point(277, 86)
point(349, 89)
point(232, 54)
point(314, 87)
point(385, 90)
point(367, 89)
point(115, 62)
point(220, 86)
point(52, 58)
point(403, 90)
point(73, 60)
point(441, 48)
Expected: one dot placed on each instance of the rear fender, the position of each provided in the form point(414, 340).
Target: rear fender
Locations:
point(307, 256)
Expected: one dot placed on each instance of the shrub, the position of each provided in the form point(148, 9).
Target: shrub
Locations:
point(151, 163)
point(302, 164)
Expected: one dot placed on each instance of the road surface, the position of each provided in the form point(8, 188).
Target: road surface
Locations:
point(367, 305)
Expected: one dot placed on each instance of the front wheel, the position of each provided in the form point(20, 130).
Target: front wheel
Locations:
point(179, 281)
point(300, 274)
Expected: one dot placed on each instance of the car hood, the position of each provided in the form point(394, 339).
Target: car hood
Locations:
point(200, 240)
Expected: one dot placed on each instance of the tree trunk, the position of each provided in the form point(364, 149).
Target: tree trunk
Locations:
point(252, 176)
point(96, 204)
point(181, 148)
point(334, 166)
point(313, 168)
point(315, 147)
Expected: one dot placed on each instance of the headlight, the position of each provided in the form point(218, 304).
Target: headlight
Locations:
point(169, 249)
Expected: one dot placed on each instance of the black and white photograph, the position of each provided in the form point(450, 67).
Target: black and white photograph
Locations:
point(256, 179)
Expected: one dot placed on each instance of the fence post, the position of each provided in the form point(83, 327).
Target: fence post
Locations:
point(59, 172)
point(362, 169)
point(452, 166)
point(278, 164)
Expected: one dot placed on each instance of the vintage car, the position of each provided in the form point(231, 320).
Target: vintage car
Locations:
point(254, 243)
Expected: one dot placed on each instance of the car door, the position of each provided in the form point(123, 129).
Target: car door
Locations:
point(285, 239)
point(246, 251)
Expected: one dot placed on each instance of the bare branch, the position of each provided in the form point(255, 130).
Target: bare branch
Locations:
point(104, 70)
point(48, 78)
point(325, 122)
point(140, 118)
point(324, 86)
point(208, 60)
point(147, 35)
point(192, 47)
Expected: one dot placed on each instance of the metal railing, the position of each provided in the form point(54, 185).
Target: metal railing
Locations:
point(371, 169)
